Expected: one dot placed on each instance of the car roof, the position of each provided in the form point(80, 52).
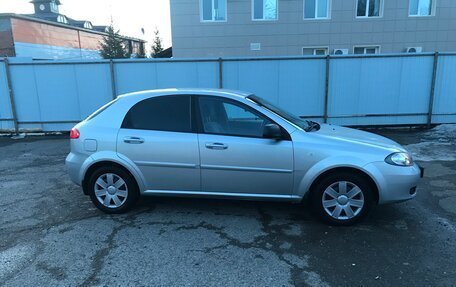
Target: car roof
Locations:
point(187, 91)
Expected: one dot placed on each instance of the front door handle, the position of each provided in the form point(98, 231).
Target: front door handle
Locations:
point(133, 140)
point(217, 146)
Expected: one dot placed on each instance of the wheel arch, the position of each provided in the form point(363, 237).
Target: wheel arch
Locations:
point(103, 163)
point(341, 169)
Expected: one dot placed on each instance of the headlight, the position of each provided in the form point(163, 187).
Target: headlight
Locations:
point(399, 158)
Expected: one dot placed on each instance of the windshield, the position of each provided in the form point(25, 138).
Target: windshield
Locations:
point(303, 124)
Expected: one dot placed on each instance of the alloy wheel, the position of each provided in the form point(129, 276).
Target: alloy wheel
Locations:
point(343, 200)
point(111, 190)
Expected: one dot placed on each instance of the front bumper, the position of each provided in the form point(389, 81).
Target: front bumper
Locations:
point(395, 183)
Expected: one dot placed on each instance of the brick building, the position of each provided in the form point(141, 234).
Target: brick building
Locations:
point(47, 34)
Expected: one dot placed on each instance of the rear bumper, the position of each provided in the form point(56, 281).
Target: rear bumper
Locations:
point(74, 163)
point(395, 183)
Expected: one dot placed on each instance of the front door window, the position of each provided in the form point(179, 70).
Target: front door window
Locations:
point(226, 118)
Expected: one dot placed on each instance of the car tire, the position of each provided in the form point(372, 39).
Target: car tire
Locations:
point(342, 198)
point(112, 190)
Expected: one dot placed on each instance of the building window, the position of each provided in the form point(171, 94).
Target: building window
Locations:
point(369, 8)
point(213, 10)
point(317, 9)
point(62, 19)
point(316, 51)
point(88, 25)
point(419, 8)
point(366, 50)
point(54, 7)
point(264, 9)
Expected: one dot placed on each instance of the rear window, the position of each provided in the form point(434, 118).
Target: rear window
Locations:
point(100, 110)
point(165, 113)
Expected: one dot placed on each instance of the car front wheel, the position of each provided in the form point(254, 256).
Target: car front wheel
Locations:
point(112, 190)
point(342, 198)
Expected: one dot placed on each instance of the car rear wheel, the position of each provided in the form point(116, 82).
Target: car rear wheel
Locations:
point(342, 198)
point(112, 190)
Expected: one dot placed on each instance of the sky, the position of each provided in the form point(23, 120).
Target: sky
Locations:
point(129, 16)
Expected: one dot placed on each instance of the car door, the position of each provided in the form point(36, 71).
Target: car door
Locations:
point(235, 158)
point(157, 135)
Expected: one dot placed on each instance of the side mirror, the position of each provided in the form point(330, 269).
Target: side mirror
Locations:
point(272, 131)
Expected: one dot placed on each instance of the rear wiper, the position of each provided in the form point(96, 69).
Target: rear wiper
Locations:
point(312, 125)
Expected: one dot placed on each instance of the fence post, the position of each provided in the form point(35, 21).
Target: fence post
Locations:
point(113, 79)
point(432, 93)
point(11, 96)
point(220, 67)
point(325, 116)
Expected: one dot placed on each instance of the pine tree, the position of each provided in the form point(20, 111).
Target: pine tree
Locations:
point(113, 46)
point(157, 45)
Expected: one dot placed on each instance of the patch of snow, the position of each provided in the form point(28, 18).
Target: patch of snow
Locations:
point(437, 144)
point(27, 134)
point(35, 134)
point(18, 137)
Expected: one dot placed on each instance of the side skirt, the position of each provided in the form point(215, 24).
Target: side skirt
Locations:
point(207, 194)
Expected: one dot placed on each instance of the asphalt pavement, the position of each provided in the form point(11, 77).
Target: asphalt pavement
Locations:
point(51, 234)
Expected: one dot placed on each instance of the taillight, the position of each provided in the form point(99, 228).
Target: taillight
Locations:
point(74, 134)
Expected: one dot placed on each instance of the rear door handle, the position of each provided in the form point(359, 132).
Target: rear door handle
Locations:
point(218, 146)
point(133, 140)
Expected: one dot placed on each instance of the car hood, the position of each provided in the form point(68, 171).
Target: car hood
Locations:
point(358, 137)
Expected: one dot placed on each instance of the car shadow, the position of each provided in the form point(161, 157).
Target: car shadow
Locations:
point(292, 212)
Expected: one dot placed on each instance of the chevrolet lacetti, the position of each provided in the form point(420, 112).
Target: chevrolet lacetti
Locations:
point(231, 144)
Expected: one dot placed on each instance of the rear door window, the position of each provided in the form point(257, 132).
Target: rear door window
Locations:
point(164, 113)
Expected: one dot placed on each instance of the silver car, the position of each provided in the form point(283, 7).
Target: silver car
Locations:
point(231, 144)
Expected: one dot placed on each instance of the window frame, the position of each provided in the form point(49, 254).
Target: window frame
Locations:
point(193, 126)
point(433, 10)
point(316, 8)
point(199, 122)
point(326, 48)
point(252, 7)
point(377, 47)
point(212, 14)
point(380, 12)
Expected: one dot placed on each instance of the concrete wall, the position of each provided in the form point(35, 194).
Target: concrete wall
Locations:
point(372, 90)
point(394, 31)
